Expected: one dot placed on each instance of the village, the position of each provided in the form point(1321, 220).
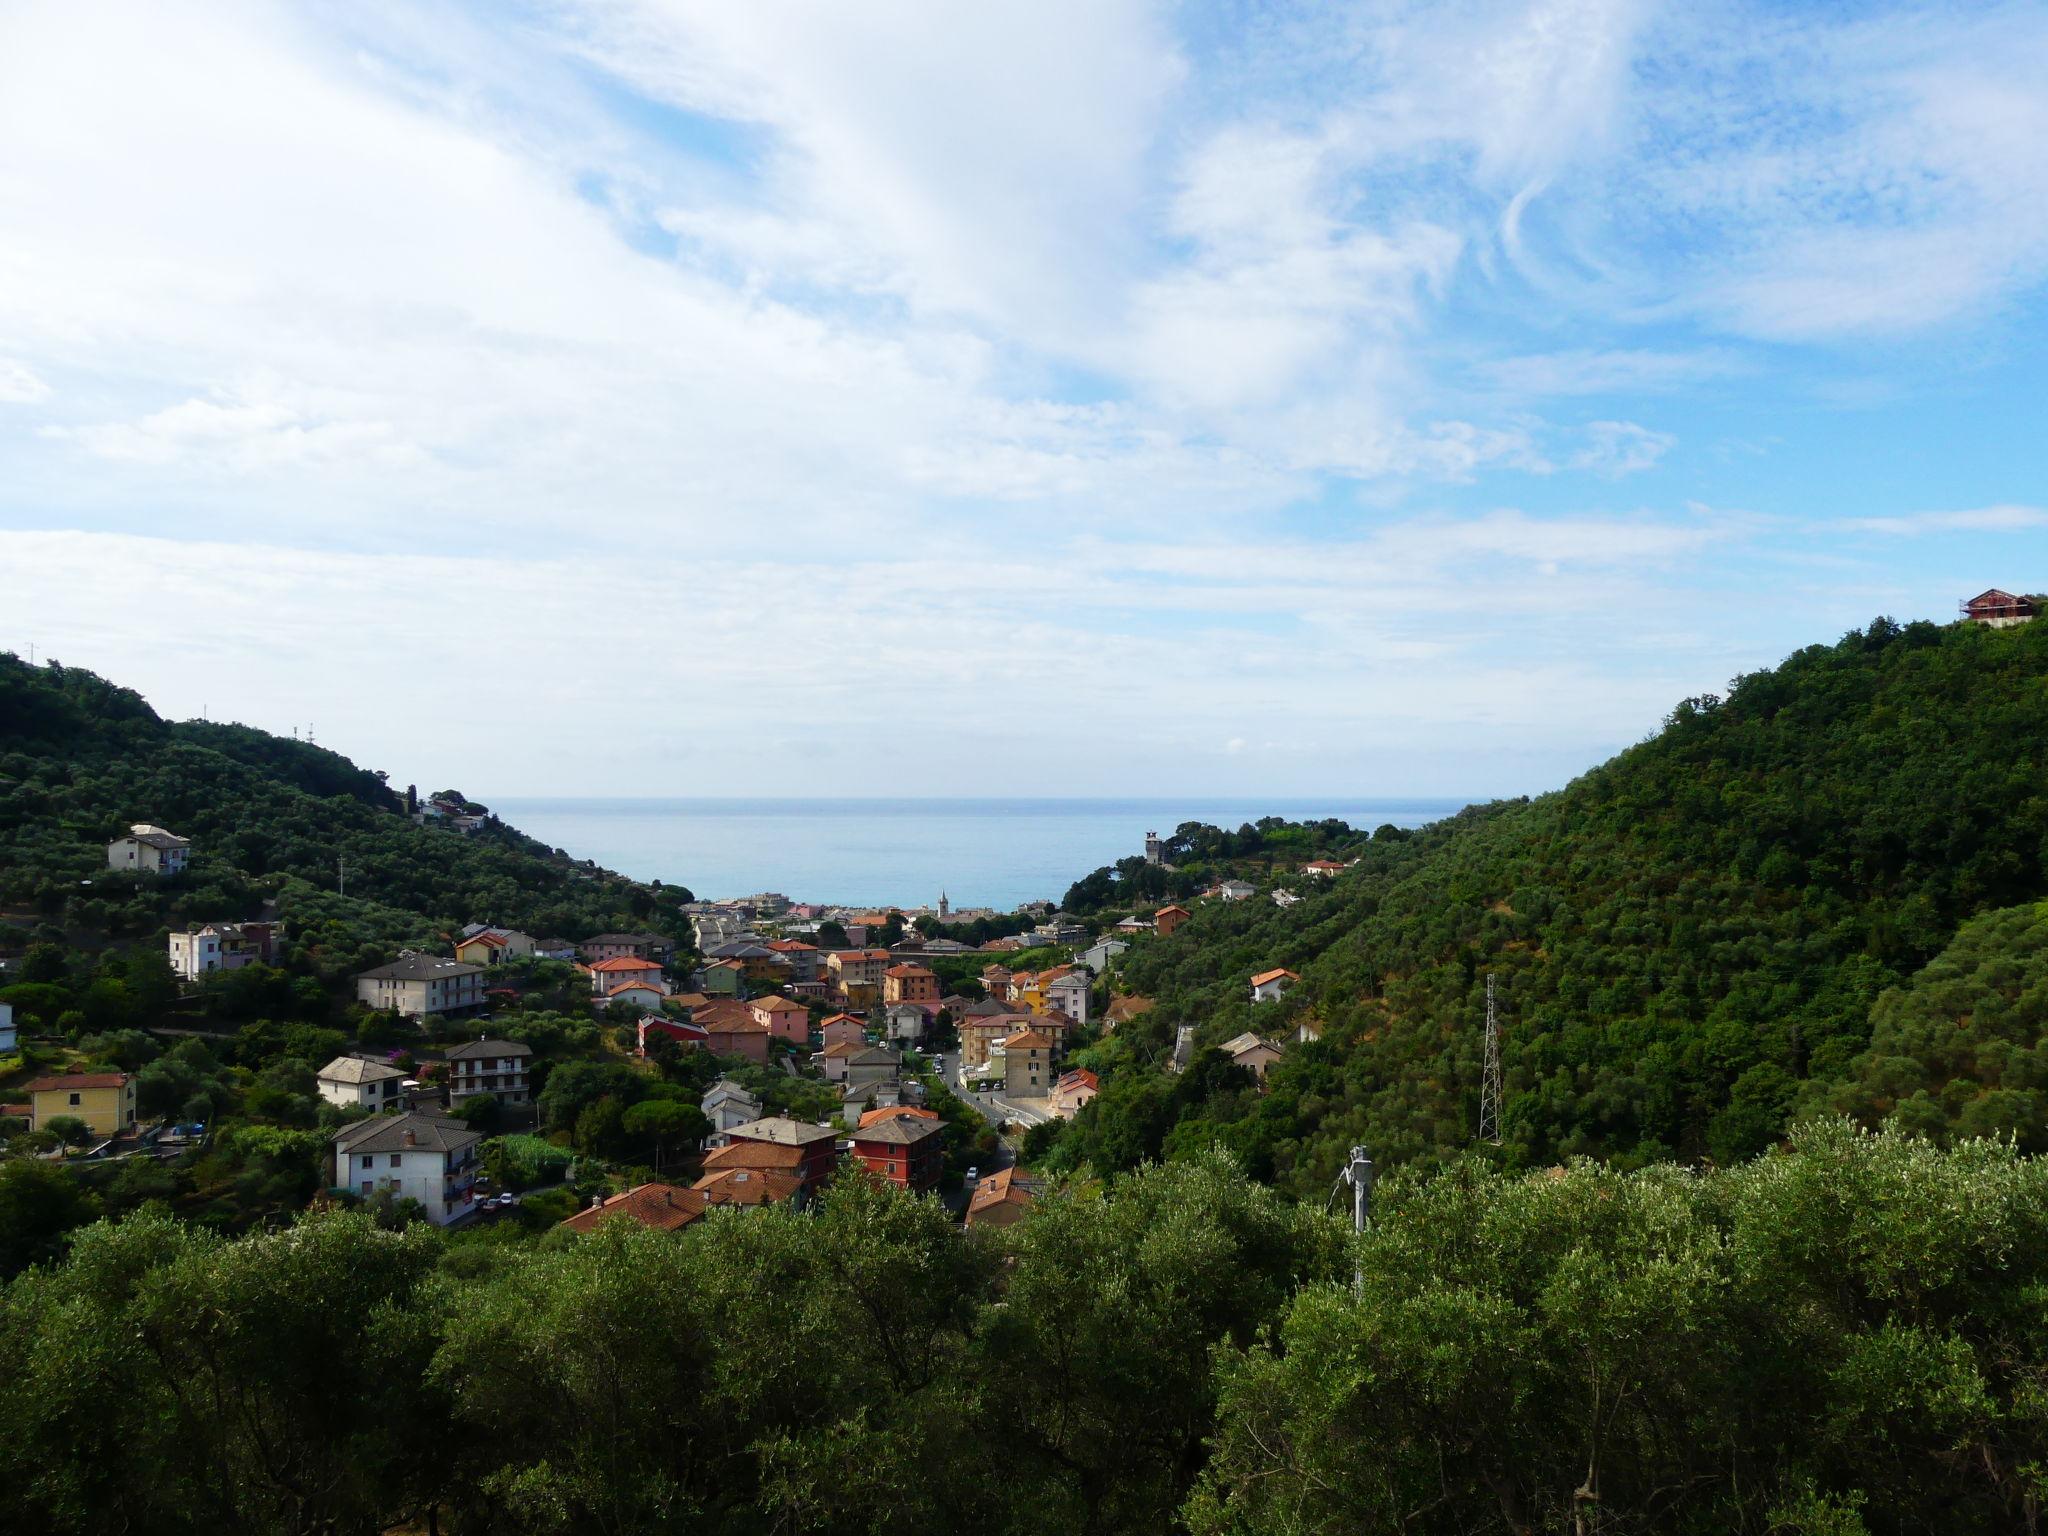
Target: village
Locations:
point(881, 1013)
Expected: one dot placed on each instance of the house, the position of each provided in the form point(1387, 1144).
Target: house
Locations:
point(1098, 956)
point(980, 1033)
point(1253, 1053)
point(748, 1186)
point(1271, 986)
point(785, 1020)
point(999, 1200)
point(904, 1149)
point(2000, 610)
point(554, 949)
point(726, 1104)
point(909, 983)
point(420, 985)
point(1322, 869)
point(730, 1030)
point(1183, 1047)
point(842, 1027)
point(686, 1035)
point(858, 967)
point(1236, 890)
point(647, 996)
point(831, 1061)
point(1069, 994)
point(490, 1066)
point(493, 946)
point(722, 978)
point(204, 948)
point(908, 1021)
point(414, 1156)
point(8, 1040)
point(1070, 1092)
point(638, 946)
point(1284, 898)
point(803, 960)
point(664, 1207)
point(809, 1151)
point(1135, 924)
point(868, 1064)
point(620, 969)
point(105, 1101)
point(1122, 1010)
point(149, 850)
point(1027, 1064)
point(1166, 919)
point(355, 1082)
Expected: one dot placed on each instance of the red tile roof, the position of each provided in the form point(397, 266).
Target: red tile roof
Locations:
point(1273, 975)
point(748, 1186)
point(664, 1207)
point(65, 1082)
point(625, 963)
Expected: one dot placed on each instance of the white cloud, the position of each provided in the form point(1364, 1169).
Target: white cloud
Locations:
point(1998, 519)
point(19, 384)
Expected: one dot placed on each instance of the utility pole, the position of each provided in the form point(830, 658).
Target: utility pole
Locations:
point(1489, 1077)
point(1358, 1173)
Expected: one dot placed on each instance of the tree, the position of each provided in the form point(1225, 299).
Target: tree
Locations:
point(480, 1112)
point(39, 1204)
point(664, 1124)
point(69, 1129)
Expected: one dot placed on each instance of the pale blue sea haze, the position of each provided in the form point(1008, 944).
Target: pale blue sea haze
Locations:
point(993, 853)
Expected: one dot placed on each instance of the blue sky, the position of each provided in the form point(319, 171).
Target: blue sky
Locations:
point(1094, 398)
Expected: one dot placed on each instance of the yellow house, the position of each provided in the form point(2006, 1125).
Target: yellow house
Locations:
point(105, 1101)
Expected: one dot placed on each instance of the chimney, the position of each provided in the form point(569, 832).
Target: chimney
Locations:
point(412, 1138)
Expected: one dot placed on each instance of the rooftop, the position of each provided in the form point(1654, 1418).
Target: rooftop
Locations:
point(415, 1131)
point(420, 968)
point(784, 1132)
point(355, 1070)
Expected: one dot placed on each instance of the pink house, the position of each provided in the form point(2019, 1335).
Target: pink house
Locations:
point(784, 1019)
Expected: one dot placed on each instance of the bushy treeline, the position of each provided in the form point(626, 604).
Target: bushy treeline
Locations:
point(1839, 1338)
point(268, 817)
point(1196, 855)
point(1688, 942)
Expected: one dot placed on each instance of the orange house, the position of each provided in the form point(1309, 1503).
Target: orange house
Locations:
point(1166, 919)
point(909, 983)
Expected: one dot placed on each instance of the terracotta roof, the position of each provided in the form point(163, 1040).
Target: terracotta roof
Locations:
point(754, 1154)
point(1183, 911)
point(790, 946)
point(998, 1189)
point(663, 1207)
point(905, 970)
point(778, 1005)
point(636, 986)
point(896, 1112)
point(71, 1081)
point(1273, 975)
point(844, 1018)
point(1080, 1077)
point(626, 963)
point(842, 1048)
point(748, 1186)
point(1028, 1039)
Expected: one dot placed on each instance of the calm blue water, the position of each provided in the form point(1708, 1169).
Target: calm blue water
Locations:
point(993, 853)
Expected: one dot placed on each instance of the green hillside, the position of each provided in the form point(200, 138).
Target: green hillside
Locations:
point(269, 818)
point(1688, 942)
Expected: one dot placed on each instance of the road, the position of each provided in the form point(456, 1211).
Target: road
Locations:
point(994, 1107)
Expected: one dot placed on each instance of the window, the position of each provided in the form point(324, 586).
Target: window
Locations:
point(397, 1160)
point(74, 1098)
point(368, 1163)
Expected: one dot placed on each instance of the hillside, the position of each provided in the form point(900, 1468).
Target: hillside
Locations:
point(1688, 941)
point(269, 818)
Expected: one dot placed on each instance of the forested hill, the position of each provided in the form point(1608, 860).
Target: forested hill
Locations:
point(1688, 942)
point(269, 818)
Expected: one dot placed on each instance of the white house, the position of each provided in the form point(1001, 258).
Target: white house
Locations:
point(1236, 890)
point(417, 985)
point(1097, 956)
point(496, 1067)
point(415, 1156)
point(354, 1083)
point(1284, 898)
point(1271, 986)
point(726, 1104)
point(1322, 869)
point(149, 850)
point(7, 1035)
point(209, 947)
point(1069, 994)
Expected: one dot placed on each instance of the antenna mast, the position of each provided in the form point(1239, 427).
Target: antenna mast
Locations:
point(1489, 1078)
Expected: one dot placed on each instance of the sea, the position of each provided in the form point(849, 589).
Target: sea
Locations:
point(875, 852)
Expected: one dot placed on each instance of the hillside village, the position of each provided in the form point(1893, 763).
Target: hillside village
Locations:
point(750, 1058)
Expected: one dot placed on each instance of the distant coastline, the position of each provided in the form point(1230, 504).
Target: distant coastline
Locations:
point(899, 851)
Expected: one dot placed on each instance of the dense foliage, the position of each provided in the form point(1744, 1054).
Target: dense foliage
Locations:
point(1688, 941)
point(1844, 1337)
point(268, 818)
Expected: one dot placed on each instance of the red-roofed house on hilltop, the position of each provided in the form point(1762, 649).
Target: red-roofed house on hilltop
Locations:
point(999, 1199)
point(2000, 609)
point(909, 983)
point(1073, 1090)
point(906, 1150)
point(1322, 869)
point(618, 970)
point(1271, 986)
point(1166, 919)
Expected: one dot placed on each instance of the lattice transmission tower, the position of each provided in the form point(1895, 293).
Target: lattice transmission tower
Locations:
point(1489, 1077)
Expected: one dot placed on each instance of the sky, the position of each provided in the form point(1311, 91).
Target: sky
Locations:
point(1085, 397)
